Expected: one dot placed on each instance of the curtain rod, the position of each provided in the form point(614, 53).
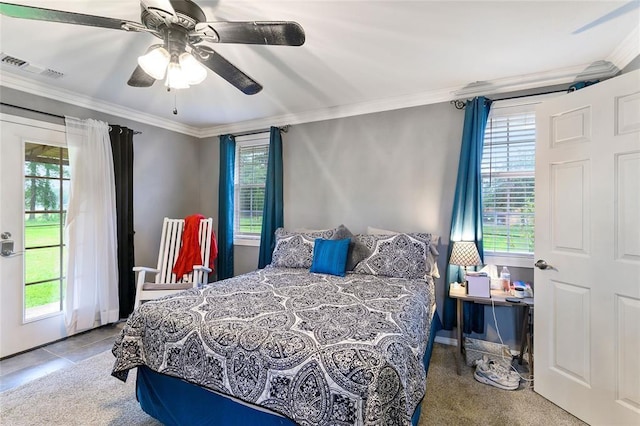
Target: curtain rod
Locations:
point(460, 104)
point(283, 129)
point(532, 94)
point(135, 132)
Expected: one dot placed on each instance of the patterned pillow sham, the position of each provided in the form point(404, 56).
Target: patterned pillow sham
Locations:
point(295, 249)
point(399, 255)
point(432, 256)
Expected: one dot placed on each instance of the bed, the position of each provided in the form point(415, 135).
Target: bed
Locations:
point(286, 345)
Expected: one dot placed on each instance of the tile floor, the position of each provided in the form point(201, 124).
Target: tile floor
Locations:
point(19, 369)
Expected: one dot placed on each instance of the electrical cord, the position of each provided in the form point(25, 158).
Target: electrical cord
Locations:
point(495, 322)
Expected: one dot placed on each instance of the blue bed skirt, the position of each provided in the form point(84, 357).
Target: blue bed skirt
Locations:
point(173, 401)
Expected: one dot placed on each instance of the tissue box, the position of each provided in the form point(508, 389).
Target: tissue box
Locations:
point(478, 286)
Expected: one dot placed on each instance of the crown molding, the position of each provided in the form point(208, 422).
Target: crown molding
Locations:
point(28, 85)
point(599, 69)
point(331, 113)
point(627, 50)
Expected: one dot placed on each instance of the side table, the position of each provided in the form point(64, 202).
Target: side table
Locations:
point(498, 298)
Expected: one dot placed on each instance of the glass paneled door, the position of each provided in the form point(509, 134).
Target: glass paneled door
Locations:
point(34, 183)
point(46, 195)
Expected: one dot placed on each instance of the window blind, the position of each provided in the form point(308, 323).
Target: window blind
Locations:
point(508, 187)
point(251, 174)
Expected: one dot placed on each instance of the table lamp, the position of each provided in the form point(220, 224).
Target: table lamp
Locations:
point(465, 254)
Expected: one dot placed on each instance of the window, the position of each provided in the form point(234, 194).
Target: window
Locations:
point(252, 155)
point(508, 186)
point(46, 196)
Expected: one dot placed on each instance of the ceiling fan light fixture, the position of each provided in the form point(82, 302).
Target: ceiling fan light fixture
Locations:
point(155, 62)
point(193, 70)
point(176, 78)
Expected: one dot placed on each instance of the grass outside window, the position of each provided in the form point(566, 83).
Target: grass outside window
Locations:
point(42, 265)
point(508, 239)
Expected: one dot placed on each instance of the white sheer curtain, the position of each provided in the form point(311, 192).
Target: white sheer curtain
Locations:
point(90, 229)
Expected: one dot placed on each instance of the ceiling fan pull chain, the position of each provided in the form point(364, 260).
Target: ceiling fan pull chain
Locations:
point(175, 109)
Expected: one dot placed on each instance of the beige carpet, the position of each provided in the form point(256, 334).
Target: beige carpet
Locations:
point(86, 394)
point(461, 400)
point(82, 395)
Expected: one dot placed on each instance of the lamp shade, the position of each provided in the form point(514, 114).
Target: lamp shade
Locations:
point(193, 70)
point(155, 62)
point(176, 79)
point(465, 253)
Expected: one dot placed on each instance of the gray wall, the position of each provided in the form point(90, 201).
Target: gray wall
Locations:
point(164, 162)
point(394, 170)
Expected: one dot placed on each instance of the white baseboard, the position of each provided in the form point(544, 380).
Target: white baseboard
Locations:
point(453, 342)
point(446, 340)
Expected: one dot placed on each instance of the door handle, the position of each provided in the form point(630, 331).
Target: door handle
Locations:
point(6, 248)
point(541, 264)
point(6, 245)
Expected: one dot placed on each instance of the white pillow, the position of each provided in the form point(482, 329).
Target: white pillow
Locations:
point(377, 231)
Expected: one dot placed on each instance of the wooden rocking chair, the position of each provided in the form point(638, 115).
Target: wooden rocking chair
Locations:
point(166, 282)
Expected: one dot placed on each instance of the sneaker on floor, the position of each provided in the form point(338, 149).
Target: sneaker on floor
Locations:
point(494, 374)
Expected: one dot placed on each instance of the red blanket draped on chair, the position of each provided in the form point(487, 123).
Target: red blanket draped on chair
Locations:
point(190, 250)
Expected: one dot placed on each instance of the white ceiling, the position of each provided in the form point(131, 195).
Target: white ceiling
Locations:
point(359, 56)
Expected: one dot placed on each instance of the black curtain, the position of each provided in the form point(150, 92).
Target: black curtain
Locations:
point(122, 148)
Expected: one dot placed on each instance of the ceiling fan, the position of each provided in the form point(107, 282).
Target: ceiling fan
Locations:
point(625, 8)
point(183, 29)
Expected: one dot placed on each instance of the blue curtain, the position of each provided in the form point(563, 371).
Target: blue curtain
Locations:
point(466, 219)
point(225, 206)
point(272, 215)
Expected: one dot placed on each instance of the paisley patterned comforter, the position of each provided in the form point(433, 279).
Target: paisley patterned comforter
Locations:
point(319, 349)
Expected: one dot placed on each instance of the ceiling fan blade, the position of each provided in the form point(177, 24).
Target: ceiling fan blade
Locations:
point(227, 70)
point(41, 14)
point(161, 8)
point(269, 33)
point(139, 78)
point(625, 8)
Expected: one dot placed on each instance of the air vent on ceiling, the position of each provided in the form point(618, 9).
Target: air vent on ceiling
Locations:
point(10, 60)
point(51, 73)
point(25, 66)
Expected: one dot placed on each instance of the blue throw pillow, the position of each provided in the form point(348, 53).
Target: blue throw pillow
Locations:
point(330, 256)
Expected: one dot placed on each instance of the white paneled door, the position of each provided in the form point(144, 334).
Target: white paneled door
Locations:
point(32, 196)
point(587, 300)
